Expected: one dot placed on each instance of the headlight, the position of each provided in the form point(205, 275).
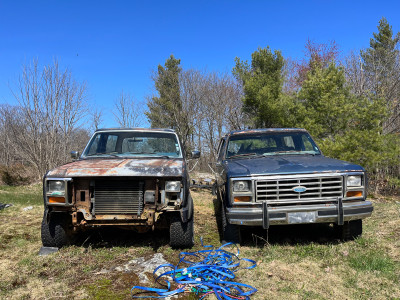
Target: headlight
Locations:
point(241, 186)
point(173, 186)
point(56, 187)
point(354, 181)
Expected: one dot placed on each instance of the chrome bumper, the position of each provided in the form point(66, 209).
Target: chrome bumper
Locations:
point(321, 213)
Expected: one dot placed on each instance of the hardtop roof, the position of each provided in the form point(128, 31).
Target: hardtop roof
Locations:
point(136, 129)
point(262, 130)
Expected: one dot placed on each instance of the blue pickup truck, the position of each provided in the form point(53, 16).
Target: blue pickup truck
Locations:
point(278, 176)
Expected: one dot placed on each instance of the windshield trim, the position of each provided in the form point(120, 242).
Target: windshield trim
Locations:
point(113, 155)
point(268, 154)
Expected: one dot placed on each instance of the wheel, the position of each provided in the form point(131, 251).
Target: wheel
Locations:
point(181, 235)
point(350, 230)
point(230, 232)
point(57, 232)
point(47, 237)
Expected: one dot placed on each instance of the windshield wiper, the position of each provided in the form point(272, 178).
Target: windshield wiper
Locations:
point(102, 154)
point(243, 154)
point(289, 152)
point(161, 156)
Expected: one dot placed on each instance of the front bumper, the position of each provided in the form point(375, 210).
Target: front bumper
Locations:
point(264, 215)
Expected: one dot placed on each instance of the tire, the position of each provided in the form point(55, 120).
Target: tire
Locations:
point(230, 232)
point(47, 237)
point(350, 230)
point(57, 232)
point(181, 235)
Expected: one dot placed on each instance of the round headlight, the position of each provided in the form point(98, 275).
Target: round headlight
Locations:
point(354, 181)
point(241, 186)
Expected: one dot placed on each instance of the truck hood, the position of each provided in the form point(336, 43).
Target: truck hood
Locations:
point(287, 164)
point(154, 167)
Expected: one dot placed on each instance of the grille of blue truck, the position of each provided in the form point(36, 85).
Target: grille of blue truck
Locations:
point(295, 190)
point(118, 197)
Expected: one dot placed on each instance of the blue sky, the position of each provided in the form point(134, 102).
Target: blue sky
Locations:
point(115, 45)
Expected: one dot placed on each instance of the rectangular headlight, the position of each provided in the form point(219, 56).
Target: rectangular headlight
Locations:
point(56, 187)
point(354, 181)
point(173, 186)
point(241, 186)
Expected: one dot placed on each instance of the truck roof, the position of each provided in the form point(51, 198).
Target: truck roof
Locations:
point(262, 130)
point(136, 129)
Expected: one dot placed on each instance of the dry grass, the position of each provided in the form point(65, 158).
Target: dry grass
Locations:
point(297, 262)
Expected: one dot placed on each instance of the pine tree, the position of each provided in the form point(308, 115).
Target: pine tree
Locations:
point(166, 110)
point(345, 126)
point(164, 107)
point(381, 66)
point(262, 84)
point(379, 60)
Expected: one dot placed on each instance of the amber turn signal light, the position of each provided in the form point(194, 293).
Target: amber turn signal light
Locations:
point(242, 199)
point(354, 194)
point(56, 200)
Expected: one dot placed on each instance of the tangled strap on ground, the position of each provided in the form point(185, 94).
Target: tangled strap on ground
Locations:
point(204, 272)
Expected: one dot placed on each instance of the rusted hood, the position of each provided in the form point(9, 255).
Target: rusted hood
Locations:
point(158, 167)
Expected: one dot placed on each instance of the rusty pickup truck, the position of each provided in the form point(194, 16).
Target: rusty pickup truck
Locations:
point(130, 178)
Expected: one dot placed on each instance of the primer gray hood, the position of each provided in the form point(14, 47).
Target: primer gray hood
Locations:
point(143, 167)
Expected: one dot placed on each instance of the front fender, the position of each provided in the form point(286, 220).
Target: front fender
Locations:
point(187, 211)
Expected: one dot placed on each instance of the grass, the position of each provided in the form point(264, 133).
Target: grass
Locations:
point(294, 262)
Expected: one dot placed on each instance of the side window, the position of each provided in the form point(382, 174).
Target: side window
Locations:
point(221, 150)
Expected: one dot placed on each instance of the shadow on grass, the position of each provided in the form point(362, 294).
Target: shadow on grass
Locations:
point(108, 237)
point(282, 234)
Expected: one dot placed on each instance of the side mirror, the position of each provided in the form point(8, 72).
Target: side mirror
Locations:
point(74, 154)
point(195, 154)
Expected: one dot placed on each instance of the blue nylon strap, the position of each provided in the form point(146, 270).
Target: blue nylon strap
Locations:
point(204, 272)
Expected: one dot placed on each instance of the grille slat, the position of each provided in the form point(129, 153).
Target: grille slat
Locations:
point(281, 190)
point(118, 197)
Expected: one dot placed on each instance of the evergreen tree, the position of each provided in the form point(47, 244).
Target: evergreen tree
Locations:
point(262, 84)
point(164, 107)
point(345, 126)
point(380, 60)
point(167, 110)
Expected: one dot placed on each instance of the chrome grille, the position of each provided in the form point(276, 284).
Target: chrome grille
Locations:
point(118, 197)
point(280, 191)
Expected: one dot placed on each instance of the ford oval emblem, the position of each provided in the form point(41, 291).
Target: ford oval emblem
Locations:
point(299, 189)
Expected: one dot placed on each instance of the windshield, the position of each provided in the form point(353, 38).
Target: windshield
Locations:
point(271, 143)
point(133, 144)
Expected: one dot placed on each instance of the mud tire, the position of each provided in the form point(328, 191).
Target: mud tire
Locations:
point(181, 235)
point(57, 232)
point(350, 230)
point(47, 237)
point(230, 232)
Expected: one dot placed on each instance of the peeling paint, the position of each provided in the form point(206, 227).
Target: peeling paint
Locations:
point(142, 167)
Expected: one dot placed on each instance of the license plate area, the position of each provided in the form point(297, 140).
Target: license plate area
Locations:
point(302, 217)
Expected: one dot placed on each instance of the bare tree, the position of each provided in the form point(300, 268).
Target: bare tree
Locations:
point(127, 112)
point(51, 106)
point(355, 75)
point(212, 106)
point(96, 117)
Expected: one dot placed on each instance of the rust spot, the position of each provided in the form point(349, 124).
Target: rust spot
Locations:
point(120, 167)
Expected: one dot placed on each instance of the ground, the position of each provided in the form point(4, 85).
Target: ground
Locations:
point(293, 262)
